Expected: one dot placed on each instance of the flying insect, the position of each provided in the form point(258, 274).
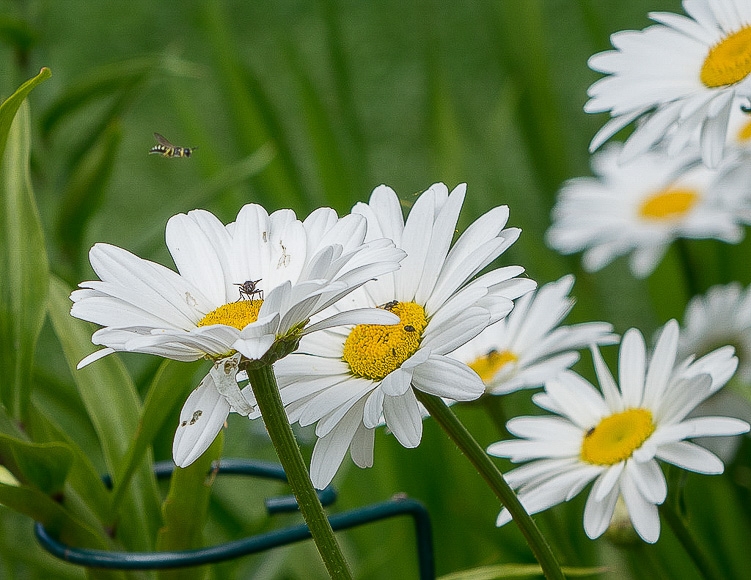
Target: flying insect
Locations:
point(167, 149)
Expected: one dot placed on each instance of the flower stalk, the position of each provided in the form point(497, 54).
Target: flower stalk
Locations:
point(266, 392)
point(494, 478)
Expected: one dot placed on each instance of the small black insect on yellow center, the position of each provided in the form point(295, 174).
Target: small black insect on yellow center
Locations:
point(248, 289)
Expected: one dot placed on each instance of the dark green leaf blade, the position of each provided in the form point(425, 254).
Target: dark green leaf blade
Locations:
point(23, 260)
point(111, 400)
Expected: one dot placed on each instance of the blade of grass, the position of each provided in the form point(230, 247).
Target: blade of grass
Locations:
point(254, 117)
point(167, 392)
point(332, 167)
point(23, 260)
point(186, 508)
point(112, 403)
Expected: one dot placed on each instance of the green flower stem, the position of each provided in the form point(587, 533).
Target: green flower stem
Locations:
point(267, 394)
point(490, 473)
point(693, 547)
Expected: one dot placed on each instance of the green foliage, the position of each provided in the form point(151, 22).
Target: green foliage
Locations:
point(23, 261)
point(186, 507)
point(517, 571)
point(44, 466)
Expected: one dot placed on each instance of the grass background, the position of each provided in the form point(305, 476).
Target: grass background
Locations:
point(302, 104)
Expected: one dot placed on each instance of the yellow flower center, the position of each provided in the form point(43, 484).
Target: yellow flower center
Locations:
point(238, 314)
point(374, 350)
point(744, 134)
point(616, 437)
point(728, 61)
point(668, 204)
point(487, 366)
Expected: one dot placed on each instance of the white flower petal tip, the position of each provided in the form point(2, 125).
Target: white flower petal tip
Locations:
point(93, 357)
point(201, 419)
point(575, 446)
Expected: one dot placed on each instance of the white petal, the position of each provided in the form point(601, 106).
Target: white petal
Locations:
point(403, 417)
point(357, 316)
point(690, 456)
point(597, 514)
point(201, 419)
point(329, 450)
point(361, 449)
point(631, 367)
point(94, 356)
point(642, 512)
point(446, 377)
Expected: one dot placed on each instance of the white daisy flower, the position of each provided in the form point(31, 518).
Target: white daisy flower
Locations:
point(640, 207)
point(722, 316)
point(616, 436)
point(248, 288)
point(719, 317)
point(527, 348)
point(683, 75)
point(348, 379)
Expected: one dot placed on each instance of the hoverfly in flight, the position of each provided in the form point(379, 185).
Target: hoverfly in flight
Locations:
point(167, 149)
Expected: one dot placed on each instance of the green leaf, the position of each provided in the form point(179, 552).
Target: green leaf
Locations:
point(111, 401)
point(168, 390)
point(23, 261)
point(17, 33)
point(331, 164)
point(11, 105)
point(44, 466)
point(101, 82)
point(518, 571)
point(82, 477)
point(186, 507)
point(52, 515)
point(255, 118)
point(85, 191)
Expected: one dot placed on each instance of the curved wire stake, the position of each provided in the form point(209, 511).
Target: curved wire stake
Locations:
point(397, 506)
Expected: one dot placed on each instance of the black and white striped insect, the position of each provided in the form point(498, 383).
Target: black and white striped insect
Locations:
point(167, 149)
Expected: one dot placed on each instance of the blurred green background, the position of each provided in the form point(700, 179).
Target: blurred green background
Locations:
point(302, 104)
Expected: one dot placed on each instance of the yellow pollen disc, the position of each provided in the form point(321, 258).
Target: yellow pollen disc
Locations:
point(616, 437)
point(744, 134)
point(238, 314)
point(728, 61)
point(668, 204)
point(373, 350)
point(487, 366)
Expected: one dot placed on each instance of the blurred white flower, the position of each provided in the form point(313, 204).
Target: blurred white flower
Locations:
point(615, 437)
point(641, 206)
point(527, 348)
point(681, 76)
point(348, 379)
point(721, 317)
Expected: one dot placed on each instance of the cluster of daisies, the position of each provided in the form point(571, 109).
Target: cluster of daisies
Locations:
point(685, 170)
point(363, 315)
